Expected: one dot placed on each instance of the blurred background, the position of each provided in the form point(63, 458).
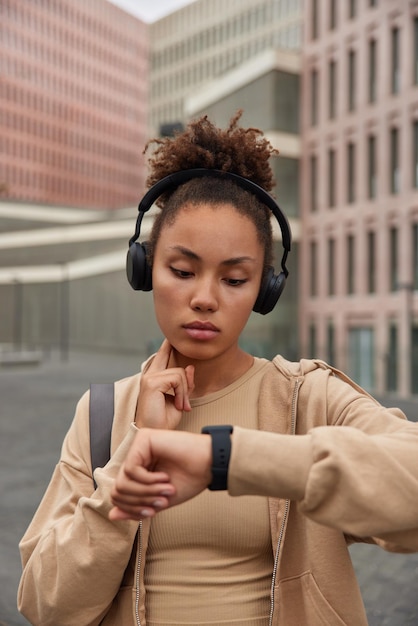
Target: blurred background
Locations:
point(84, 85)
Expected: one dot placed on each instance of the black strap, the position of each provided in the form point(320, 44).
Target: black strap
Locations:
point(102, 398)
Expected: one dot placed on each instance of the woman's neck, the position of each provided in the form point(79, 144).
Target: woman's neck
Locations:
point(215, 374)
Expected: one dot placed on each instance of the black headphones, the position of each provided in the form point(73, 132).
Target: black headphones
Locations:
point(138, 270)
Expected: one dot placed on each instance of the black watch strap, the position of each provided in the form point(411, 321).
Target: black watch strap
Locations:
point(221, 452)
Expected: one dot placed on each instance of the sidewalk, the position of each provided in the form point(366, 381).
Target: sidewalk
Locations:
point(36, 408)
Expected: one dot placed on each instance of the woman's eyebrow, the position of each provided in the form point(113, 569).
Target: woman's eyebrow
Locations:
point(238, 259)
point(186, 252)
point(232, 261)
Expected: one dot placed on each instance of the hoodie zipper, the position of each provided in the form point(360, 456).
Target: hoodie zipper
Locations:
point(138, 571)
point(286, 509)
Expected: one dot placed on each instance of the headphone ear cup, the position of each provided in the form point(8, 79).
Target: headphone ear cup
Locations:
point(137, 269)
point(271, 289)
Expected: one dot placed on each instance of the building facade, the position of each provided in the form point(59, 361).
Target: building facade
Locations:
point(206, 40)
point(359, 190)
point(73, 103)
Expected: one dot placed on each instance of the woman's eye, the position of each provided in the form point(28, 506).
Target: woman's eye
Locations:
point(180, 273)
point(235, 282)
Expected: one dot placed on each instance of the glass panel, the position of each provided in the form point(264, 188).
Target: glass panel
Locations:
point(395, 77)
point(361, 356)
point(350, 265)
point(371, 178)
point(392, 360)
point(371, 262)
point(372, 70)
point(331, 178)
point(331, 344)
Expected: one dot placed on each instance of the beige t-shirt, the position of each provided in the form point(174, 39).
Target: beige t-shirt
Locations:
point(210, 560)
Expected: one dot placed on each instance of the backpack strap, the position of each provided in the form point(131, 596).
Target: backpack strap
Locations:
point(102, 399)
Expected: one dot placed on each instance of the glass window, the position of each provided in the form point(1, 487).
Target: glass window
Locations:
point(415, 154)
point(394, 161)
point(371, 262)
point(314, 19)
point(350, 265)
point(414, 360)
point(331, 267)
point(371, 167)
point(314, 182)
point(331, 177)
point(351, 80)
point(393, 259)
point(361, 356)
point(415, 65)
point(332, 14)
point(395, 67)
point(331, 343)
point(392, 360)
point(313, 268)
point(314, 97)
point(351, 163)
point(332, 87)
point(372, 70)
point(415, 255)
point(312, 341)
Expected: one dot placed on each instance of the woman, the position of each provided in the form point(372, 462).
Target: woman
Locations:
point(215, 560)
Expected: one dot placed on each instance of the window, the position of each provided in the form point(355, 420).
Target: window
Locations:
point(331, 267)
point(331, 177)
point(415, 255)
point(313, 268)
point(415, 154)
point(394, 161)
point(332, 14)
point(352, 9)
point(314, 19)
point(314, 183)
point(312, 341)
point(395, 66)
point(371, 167)
point(332, 88)
point(414, 360)
point(351, 80)
point(392, 360)
point(331, 343)
point(393, 259)
point(361, 356)
point(314, 97)
point(371, 262)
point(350, 265)
point(351, 161)
point(372, 70)
point(415, 65)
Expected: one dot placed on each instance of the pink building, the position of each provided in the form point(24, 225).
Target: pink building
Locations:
point(359, 191)
point(73, 103)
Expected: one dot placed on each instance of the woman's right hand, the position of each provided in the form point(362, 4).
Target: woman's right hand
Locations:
point(164, 392)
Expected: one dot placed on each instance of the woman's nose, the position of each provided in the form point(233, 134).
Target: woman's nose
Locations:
point(204, 296)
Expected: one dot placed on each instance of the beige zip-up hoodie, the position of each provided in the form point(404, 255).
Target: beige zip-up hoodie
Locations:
point(80, 569)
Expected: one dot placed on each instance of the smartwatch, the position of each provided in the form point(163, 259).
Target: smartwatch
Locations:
point(221, 452)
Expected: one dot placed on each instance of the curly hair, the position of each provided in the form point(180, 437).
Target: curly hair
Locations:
point(242, 151)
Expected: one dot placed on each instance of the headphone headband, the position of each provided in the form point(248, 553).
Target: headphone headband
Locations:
point(178, 178)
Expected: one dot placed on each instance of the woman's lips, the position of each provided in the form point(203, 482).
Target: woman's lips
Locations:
point(201, 330)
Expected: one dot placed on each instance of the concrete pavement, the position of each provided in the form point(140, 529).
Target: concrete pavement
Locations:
point(36, 407)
